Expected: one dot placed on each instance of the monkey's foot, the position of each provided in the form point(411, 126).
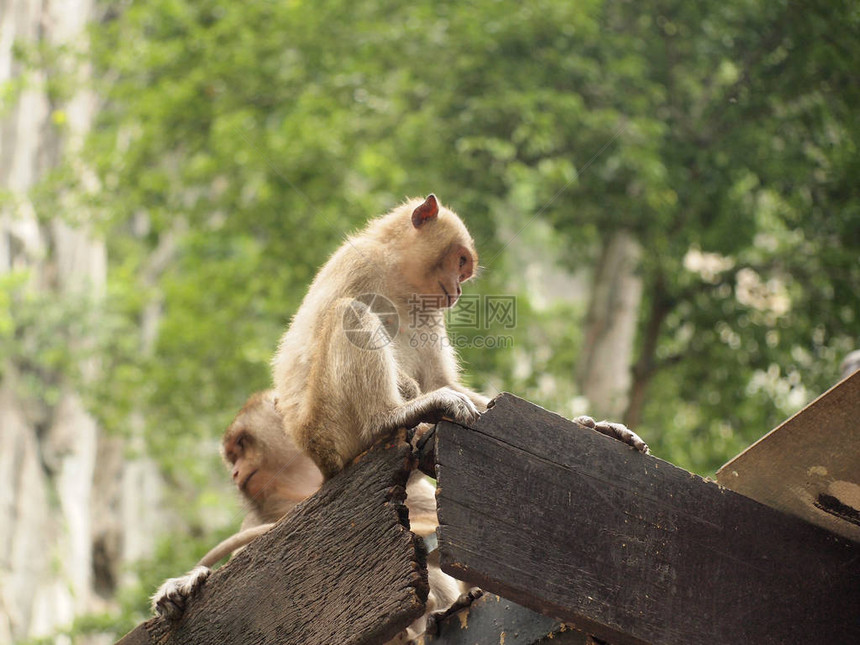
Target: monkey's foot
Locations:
point(464, 601)
point(616, 431)
point(172, 596)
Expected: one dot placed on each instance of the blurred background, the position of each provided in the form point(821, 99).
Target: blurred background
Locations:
point(669, 190)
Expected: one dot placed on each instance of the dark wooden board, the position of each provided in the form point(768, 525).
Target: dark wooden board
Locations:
point(578, 526)
point(810, 465)
point(491, 619)
point(341, 568)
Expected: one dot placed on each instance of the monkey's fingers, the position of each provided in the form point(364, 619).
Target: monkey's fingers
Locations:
point(464, 601)
point(458, 407)
point(169, 609)
point(171, 598)
point(616, 431)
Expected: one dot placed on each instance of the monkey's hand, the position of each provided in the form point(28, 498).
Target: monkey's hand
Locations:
point(432, 407)
point(616, 431)
point(456, 406)
point(170, 599)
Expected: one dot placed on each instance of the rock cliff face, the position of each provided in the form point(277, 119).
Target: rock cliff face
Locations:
point(73, 510)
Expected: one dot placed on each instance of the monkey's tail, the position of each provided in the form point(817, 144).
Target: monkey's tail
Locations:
point(232, 543)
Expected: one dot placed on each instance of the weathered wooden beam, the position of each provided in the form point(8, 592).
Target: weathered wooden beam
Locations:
point(570, 523)
point(341, 568)
point(425, 451)
point(491, 619)
point(810, 465)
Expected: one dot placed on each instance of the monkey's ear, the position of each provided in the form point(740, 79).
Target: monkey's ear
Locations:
point(427, 211)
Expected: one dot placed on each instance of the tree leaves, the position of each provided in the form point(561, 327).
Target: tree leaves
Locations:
point(271, 130)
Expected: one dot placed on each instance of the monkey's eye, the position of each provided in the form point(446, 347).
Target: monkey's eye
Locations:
point(462, 261)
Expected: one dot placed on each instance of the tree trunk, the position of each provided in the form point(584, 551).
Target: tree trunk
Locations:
point(62, 498)
point(646, 364)
point(603, 373)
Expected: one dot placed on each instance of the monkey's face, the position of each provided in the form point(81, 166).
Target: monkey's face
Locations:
point(442, 255)
point(263, 471)
point(248, 465)
point(455, 266)
point(266, 466)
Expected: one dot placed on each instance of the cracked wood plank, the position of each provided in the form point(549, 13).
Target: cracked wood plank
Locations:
point(625, 546)
point(342, 567)
point(809, 466)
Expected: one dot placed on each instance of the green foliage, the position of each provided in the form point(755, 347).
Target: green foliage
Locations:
point(258, 135)
point(239, 142)
point(729, 132)
point(49, 339)
point(171, 558)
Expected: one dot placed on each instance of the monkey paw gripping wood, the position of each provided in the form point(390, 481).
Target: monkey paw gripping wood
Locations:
point(341, 568)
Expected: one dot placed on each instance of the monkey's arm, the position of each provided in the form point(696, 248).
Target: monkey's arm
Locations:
point(172, 596)
point(616, 431)
point(447, 374)
point(226, 547)
point(444, 403)
point(357, 393)
point(407, 386)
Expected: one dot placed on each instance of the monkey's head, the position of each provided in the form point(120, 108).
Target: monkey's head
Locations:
point(437, 252)
point(267, 467)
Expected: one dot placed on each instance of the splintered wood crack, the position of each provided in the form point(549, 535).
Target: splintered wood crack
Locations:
point(832, 505)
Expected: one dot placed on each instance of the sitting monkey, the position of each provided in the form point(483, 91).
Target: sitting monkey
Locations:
point(273, 476)
point(367, 352)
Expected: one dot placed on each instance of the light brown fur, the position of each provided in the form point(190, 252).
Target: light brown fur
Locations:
point(444, 590)
point(337, 395)
point(255, 442)
point(272, 476)
point(271, 473)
